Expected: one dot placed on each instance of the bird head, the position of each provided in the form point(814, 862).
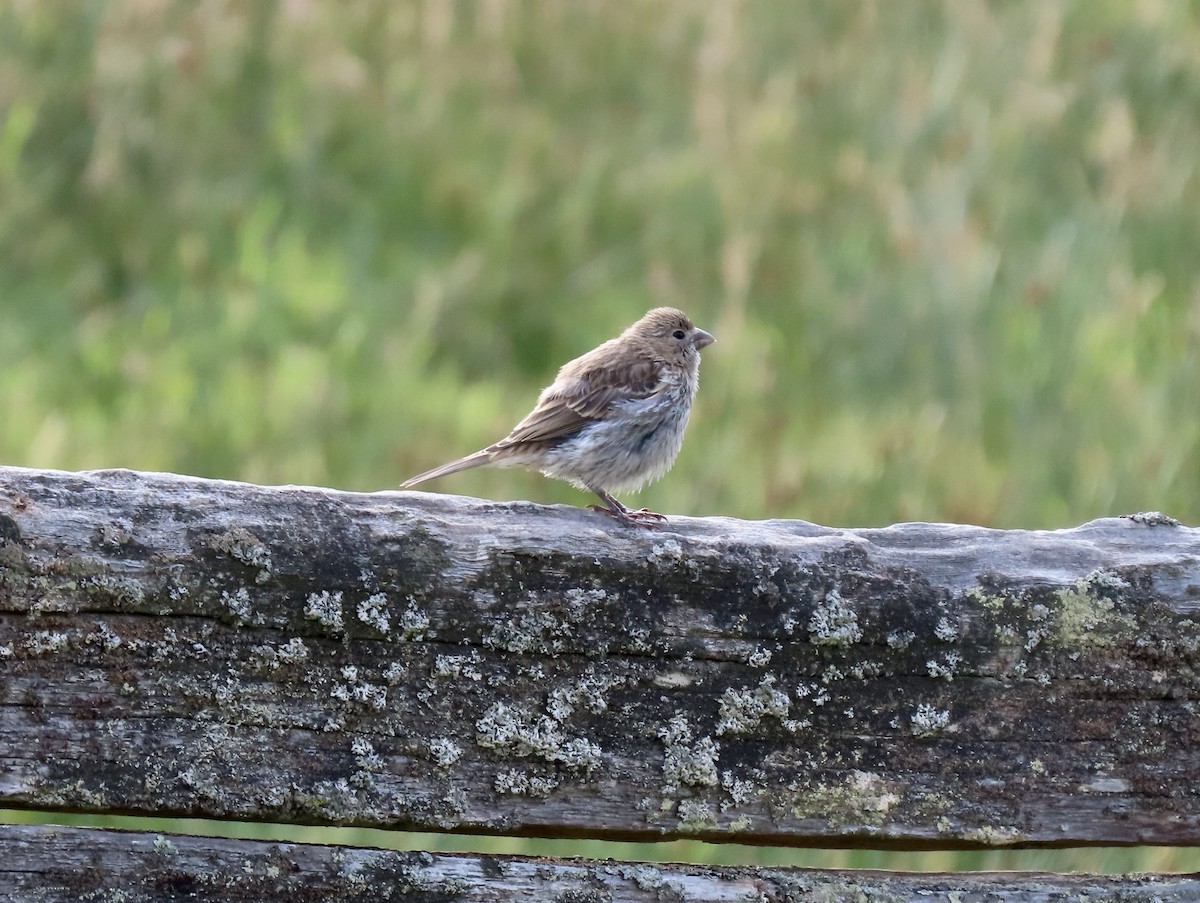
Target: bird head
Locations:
point(670, 334)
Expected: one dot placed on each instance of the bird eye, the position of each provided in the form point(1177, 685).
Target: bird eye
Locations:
point(678, 333)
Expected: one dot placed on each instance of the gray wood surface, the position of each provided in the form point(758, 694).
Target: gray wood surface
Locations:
point(179, 646)
point(65, 865)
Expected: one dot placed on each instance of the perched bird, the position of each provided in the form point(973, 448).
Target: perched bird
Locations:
point(612, 419)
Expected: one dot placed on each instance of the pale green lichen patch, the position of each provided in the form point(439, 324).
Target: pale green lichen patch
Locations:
point(163, 846)
point(834, 623)
point(742, 709)
point(104, 637)
point(414, 623)
point(76, 794)
point(588, 692)
point(946, 630)
point(760, 657)
point(864, 797)
point(453, 667)
point(1085, 619)
point(514, 782)
point(687, 762)
point(994, 835)
point(1086, 614)
point(326, 608)
point(242, 545)
point(47, 642)
point(989, 602)
point(121, 592)
point(927, 721)
point(532, 631)
point(696, 815)
point(945, 667)
point(444, 751)
point(367, 763)
point(75, 566)
point(271, 658)
point(514, 730)
point(357, 691)
point(1102, 580)
point(667, 550)
point(373, 612)
point(740, 791)
point(646, 877)
point(238, 604)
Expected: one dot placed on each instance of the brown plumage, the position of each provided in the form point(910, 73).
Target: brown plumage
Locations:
point(612, 419)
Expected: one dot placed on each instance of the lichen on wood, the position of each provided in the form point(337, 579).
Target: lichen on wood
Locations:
point(181, 646)
point(45, 864)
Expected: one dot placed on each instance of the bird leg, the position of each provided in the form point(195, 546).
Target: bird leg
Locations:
point(644, 518)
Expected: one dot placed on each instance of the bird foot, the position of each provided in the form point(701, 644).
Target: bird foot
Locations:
point(644, 518)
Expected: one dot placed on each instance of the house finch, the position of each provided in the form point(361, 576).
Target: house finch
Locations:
point(612, 419)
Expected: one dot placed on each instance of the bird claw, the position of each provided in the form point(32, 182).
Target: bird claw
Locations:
point(644, 518)
point(645, 514)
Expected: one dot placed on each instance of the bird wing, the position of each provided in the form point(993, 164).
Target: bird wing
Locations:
point(585, 391)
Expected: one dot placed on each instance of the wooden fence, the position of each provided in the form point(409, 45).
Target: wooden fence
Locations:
point(181, 647)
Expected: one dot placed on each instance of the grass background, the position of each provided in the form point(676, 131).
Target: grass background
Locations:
point(950, 251)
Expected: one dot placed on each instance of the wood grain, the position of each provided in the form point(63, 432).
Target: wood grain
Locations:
point(45, 864)
point(176, 646)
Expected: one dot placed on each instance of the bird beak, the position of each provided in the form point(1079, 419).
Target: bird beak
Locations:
point(701, 339)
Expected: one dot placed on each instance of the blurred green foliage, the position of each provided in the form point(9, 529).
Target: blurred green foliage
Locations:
point(950, 251)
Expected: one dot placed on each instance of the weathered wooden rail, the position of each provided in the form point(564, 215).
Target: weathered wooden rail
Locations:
point(174, 646)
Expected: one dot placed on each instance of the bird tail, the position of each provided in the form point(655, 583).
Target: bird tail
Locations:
point(476, 460)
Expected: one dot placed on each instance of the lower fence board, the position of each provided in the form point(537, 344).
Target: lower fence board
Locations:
point(49, 864)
